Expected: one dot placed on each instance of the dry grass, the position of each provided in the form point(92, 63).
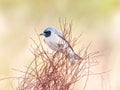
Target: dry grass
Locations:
point(53, 71)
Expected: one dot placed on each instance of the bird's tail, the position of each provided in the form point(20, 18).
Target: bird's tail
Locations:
point(77, 58)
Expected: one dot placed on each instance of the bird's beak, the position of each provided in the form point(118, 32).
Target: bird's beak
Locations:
point(42, 34)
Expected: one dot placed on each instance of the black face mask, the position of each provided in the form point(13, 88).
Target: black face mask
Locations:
point(47, 33)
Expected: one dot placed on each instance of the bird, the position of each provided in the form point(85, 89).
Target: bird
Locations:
point(57, 42)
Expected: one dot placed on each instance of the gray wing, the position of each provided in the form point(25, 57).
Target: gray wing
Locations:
point(62, 37)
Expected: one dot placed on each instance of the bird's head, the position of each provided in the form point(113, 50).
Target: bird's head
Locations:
point(49, 31)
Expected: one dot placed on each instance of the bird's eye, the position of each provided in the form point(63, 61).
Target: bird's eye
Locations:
point(47, 33)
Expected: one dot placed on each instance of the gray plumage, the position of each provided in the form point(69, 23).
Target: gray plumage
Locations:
point(55, 40)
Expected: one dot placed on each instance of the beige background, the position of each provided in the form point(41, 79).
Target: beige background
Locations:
point(99, 20)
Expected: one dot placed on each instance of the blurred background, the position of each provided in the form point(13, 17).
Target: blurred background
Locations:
point(99, 20)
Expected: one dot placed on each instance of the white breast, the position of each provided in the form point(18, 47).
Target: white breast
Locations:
point(54, 40)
